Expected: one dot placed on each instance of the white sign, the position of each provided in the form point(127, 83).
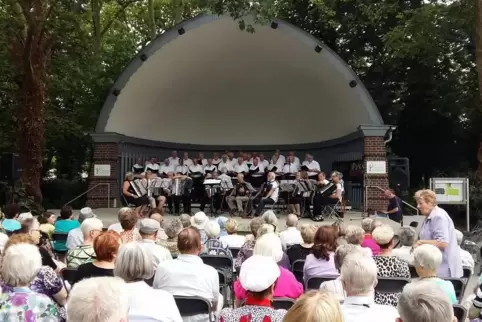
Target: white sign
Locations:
point(450, 190)
point(376, 167)
point(102, 170)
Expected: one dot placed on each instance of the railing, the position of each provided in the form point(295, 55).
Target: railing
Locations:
point(382, 190)
point(89, 190)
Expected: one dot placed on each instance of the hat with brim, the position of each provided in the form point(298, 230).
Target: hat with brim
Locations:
point(199, 220)
point(86, 213)
point(258, 273)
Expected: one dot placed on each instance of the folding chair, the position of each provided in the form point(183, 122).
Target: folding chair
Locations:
point(59, 237)
point(68, 274)
point(313, 283)
point(284, 303)
point(222, 264)
point(234, 251)
point(193, 305)
point(460, 312)
point(459, 286)
point(467, 272)
point(413, 271)
point(297, 269)
point(391, 284)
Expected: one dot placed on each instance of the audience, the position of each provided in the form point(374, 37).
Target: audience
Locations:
point(232, 239)
point(407, 236)
point(291, 236)
point(259, 276)
point(388, 265)
point(303, 249)
point(185, 220)
point(369, 225)
point(199, 221)
point(47, 223)
point(149, 229)
point(247, 249)
point(269, 217)
point(18, 302)
point(98, 299)
point(10, 223)
point(134, 265)
point(188, 275)
point(106, 246)
point(172, 229)
point(128, 222)
point(359, 277)
point(355, 235)
point(159, 217)
point(269, 245)
point(427, 259)
point(64, 225)
point(221, 220)
point(213, 245)
point(76, 237)
point(85, 253)
point(424, 302)
point(321, 261)
point(315, 306)
point(465, 256)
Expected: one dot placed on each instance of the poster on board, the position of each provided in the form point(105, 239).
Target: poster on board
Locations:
point(450, 190)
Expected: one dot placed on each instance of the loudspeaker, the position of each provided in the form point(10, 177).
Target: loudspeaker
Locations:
point(399, 173)
point(10, 167)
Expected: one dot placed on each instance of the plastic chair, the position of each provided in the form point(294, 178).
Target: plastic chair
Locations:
point(284, 303)
point(313, 283)
point(219, 262)
point(234, 251)
point(391, 284)
point(467, 272)
point(59, 237)
point(460, 312)
point(193, 305)
point(459, 286)
point(68, 274)
point(297, 269)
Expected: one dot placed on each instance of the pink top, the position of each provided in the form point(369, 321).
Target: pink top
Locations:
point(368, 242)
point(287, 286)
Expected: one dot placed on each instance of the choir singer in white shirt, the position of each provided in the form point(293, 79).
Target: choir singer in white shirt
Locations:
point(210, 169)
point(240, 166)
point(226, 164)
point(173, 159)
point(263, 161)
point(312, 165)
point(203, 160)
point(166, 168)
point(186, 161)
point(290, 167)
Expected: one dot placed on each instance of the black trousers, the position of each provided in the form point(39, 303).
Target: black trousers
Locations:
point(262, 203)
point(319, 201)
point(206, 200)
point(177, 200)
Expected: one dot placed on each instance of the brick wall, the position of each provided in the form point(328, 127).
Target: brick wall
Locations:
point(374, 150)
point(104, 154)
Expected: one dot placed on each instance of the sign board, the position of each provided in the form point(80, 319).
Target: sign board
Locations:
point(102, 170)
point(376, 167)
point(450, 190)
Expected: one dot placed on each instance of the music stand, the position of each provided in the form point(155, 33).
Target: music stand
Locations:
point(210, 183)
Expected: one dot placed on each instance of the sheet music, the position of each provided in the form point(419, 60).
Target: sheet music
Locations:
point(212, 181)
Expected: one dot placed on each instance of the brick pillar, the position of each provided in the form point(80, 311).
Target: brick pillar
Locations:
point(105, 157)
point(374, 150)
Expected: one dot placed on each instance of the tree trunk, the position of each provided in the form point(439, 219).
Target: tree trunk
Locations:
point(478, 61)
point(97, 28)
point(151, 20)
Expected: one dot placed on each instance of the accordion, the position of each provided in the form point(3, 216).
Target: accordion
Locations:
point(327, 189)
point(138, 187)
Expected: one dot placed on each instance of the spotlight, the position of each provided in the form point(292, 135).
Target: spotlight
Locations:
point(353, 83)
point(318, 49)
point(181, 31)
point(143, 57)
point(116, 92)
point(274, 25)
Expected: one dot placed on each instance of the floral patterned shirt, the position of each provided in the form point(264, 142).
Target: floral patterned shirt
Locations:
point(215, 247)
point(21, 304)
point(170, 244)
point(130, 235)
point(244, 253)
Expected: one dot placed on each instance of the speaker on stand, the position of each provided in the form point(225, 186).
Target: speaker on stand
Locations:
point(10, 170)
point(399, 174)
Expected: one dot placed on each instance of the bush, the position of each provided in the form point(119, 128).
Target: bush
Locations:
point(57, 192)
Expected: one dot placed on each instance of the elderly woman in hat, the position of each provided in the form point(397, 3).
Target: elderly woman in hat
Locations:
point(258, 276)
point(213, 245)
point(199, 221)
point(172, 229)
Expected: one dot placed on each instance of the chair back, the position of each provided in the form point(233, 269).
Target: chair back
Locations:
point(234, 251)
point(460, 312)
point(192, 305)
point(391, 284)
point(68, 275)
point(313, 283)
point(284, 303)
point(297, 269)
point(218, 261)
point(59, 237)
point(459, 286)
point(413, 271)
point(467, 272)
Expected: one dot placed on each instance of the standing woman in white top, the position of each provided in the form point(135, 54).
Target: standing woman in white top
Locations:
point(134, 264)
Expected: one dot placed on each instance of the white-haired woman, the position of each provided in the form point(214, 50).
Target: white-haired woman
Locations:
point(213, 245)
point(354, 235)
point(465, 256)
point(269, 229)
point(246, 250)
point(427, 259)
point(287, 286)
point(18, 302)
point(300, 251)
point(438, 230)
point(172, 228)
point(232, 239)
point(270, 218)
point(369, 225)
point(134, 265)
point(407, 236)
point(315, 306)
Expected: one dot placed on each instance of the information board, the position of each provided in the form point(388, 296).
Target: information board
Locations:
point(102, 170)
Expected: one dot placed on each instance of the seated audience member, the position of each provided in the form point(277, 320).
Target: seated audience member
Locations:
point(158, 216)
point(259, 277)
point(117, 226)
point(134, 266)
point(128, 221)
point(172, 229)
point(270, 229)
point(188, 275)
point(185, 220)
point(75, 237)
point(467, 259)
point(321, 261)
point(291, 236)
point(424, 302)
point(47, 222)
point(148, 230)
point(427, 259)
point(106, 246)
point(3, 241)
point(18, 302)
point(354, 235)
point(98, 299)
point(247, 249)
point(199, 221)
point(64, 225)
point(315, 306)
point(300, 251)
point(335, 286)
point(269, 245)
point(388, 264)
point(85, 253)
point(270, 218)
point(359, 277)
point(232, 239)
point(368, 225)
point(407, 236)
point(221, 220)
point(46, 281)
point(213, 245)
point(10, 223)
point(272, 192)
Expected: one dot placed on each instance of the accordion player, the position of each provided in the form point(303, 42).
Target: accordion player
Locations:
point(326, 193)
point(134, 192)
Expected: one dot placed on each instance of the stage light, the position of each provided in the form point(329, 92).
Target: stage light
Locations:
point(353, 83)
point(318, 49)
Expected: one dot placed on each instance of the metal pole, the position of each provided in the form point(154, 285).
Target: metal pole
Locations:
point(467, 200)
point(108, 195)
